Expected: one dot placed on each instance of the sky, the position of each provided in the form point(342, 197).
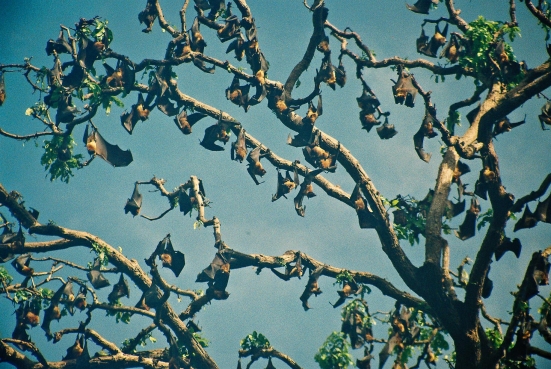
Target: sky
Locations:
point(94, 199)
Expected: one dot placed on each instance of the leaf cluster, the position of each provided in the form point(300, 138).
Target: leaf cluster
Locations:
point(58, 168)
point(254, 341)
point(334, 353)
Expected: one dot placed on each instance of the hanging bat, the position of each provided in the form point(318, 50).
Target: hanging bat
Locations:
point(21, 265)
point(460, 169)
point(58, 46)
point(148, 16)
point(230, 29)
point(259, 95)
point(139, 112)
point(216, 275)
point(202, 4)
point(198, 43)
point(436, 41)
point(134, 203)
point(120, 289)
point(216, 7)
point(353, 326)
point(422, 6)
point(323, 45)
point(350, 287)
point(54, 75)
point(452, 49)
point(368, 120)
point(239, 147)
point(66, 111)
point(76, 349)
point(238, 47)
point(159, 85)
point(29, 313)
point(254, 56)
point(193, 326)
point(543, 210)
point(184, 201)
point(544, 117)
point(418, 139)
point(306, 189)
point(213, 134)
point(313, 112)
point(327, 72)
point(254, 166)
point(312, 287)
point(340, 74)
point(386, 131)
point(151, 298)
point(80, 299)
point(172, 259)
point(507, 245)
point(468, 228)
point(122, 76)
point(20, 333)
point(270, 365)
point(95, 276)
point(89, 52)
point(488, 285)
point(166, 106)
point(481, 187)
point(239, 95)
point(291, 270)
point(365, 215)
point(368, 102)
point(505, 125)
point(53, 311)
point(454, 209)
point(2, 89)
point(285, 185)
point(403, 90)
point(319, 157)
point(113, 154)
point(304, 136)
point(528, 220)
point(184, 122)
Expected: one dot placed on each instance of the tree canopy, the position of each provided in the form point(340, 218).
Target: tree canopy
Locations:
point(418, 128)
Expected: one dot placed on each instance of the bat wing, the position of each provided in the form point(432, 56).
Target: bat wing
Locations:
point(211, 135)
point(195, 117)
point(421, 6)
point(112, 154)
point(418, 139)
point(184, 201)
point(178, 262)
point(165, 106)
point(543, 210)
point(95, 276)
point(386, 131)
point(134, 204)
point(507, 245)
point(528, 220)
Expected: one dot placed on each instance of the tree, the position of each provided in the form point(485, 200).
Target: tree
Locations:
point(423, 304)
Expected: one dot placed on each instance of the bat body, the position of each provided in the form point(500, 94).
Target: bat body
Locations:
point(184, 201)
point(545, 116)
point(198, 43)
point(66, 111)
point(22, 265)
point(468, 228)
point(304, 136)
point(216, 275)
point(327, 72)
point(291, 270)
point(54, 75)
point(113, 154)
point(285, 184)
point(80, 299)
point(239, 147)
point(239, 95)
point(505, 125)
point(120, 289)
point(184, 122)
point(306, 190)
point(319, 157)
point(528, 220)
point(172, 259)
point(404, 91)
point(238, 47)
point(212, 134)
point(230, 29)
point(365, 215)
point(166, 106)
point(58, 46)
point(431, 47)
point(76, 349)
point(422, 6)
point(20, 333)
point(139, 112)
point(95, 276)
point(122, 76)
point(312, 287)
point(148, 16)
point(53, 311)
point(134, 203)
point(452, 50)
point(386, 131)
point(151, 298)
point(426, 130)
point(507, 245)
point(349, 288)
point(254, 166)
point(543, 210)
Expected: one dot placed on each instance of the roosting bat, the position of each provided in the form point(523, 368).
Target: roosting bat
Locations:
point(422, 6)
point(198, 43)
point(306, 189)
point(120, 289)
point(148, 16)
point(319, 157)
point(184, 122)
point(239, 147)
point(291, 270)
point(239, 95)
point(528, 220)
point(254, 56)
point(468, 228)
point(53, 312)
point(95, 276)
point(121, 76)
point(2, 89)
point(20, 333)
point(353, 326)
point(113, 154)
point(134, 204)
point(254, 166)
point(404, 91)
point(540, 276)
point(54, 75)
point(216, 275)
point(365, 215)
point(454, 209)
point(507, 245)
point(350, 287)
point(327, 72)
point(138, 112)
point(460, 169)
point(452, 49)
point(367, 101)
point(184, 201)
point(21, 265)
point(89, 52)
point(340, 74)
point(76, 349)
point(431, 47)
point(212, 134)
point(543, 210)
point(386, 131)
point(172, 259)
point(59, 46)
point(544, 117)
point(166, 106)
point(238, 47)
point(505, 125)
point(80, 299)
point(285, 185)
point(426, 130)
point(312, 287)
point(230, 29)
point(151, 298)
point(29, 313)
point(66, 111)
point(488, 285)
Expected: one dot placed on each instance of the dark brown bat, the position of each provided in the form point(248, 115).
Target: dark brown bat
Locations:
point(304, 136)
point(172, 259)
point(122, 76)
point(184, 201)
point(319, 157)
point(119, 290)
point(350, 287)
point(230, 29)
point(166, 106)
point(313, 113)
point(254, 56)
point(95, 276)
point(88, 52)
point(148, 15)
point(422, 6)
point(151, 298)
point(29, 313)
point(327, 72)
point(488, 286)
point(20, 333)
point(543, 210)
point(254, 166)
point(386, 131)
point(53, 311)
point(238, 47)
point(80, 299)
point(134, 203)
point(291, 270)
point(270, 364)
point(452, 50)
point(55, 75)
point(460, 169)
point(113, 154)
point(21, 265)
point(368, 120)
point(306, 190)
point(323, 45)
point(259, 95)
point(418, 139)
point(139, 112)
point(239, 95)
point(58, 46)
point(365, 215)
point(403, 90)
point(507, 245)
point(285, 184)
point(239, 147)
point(198, 43)
point(454, 209)
point(505, 125)
point(216, 8)
point(216, 275)
point(340, 74)
point(545, 116)
point(312, 287)
point(76, 349)
point(436, 41)
point(66, 111)
point(184, 122)
point(528, 220)
point(468, 228)
point(213, 134)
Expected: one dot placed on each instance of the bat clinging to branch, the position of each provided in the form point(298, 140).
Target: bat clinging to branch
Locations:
point(134, 204)
point(113, 154)
point(312, 287)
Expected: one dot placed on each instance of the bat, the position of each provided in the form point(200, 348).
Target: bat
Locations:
point(2, 88)
point(166, 106)
point(418, 139)
point(544, 117)
point(29, 313)
point(212, 134)
point(386, 131)
point(10, 238)
point(304, 136)
point(285, 184)
point(237, 46)
point(254, 56)
point(202, 4)
point(422, 6)
point(327, 72)
point(319, 157)
point(431, 47)
point(159, 86)
point(528, 220)
point(323, 45)
point(507, 245)
point(239, 95)
point(367, 102)
point(340, 74)
point(172, 259)
point(467, 229)
point(113, 154)
point(53, 312)
point(54, 75)
point(454, 209)
point(148, 16)
point(139, 112)
point(66, 111)
point(365, 215)
point(543, 210)
point(134, 203)
point(95, 276)
point(230, 28)
point(313, 112)
point(89, 52)
point(306, 190)
point(350, 287)
point(76, 349)
point(80, 299)
point(353, 326)
point(151, 298)
point(368, 120)
point(452, 49)
point(182, 49)
point(21, 265)
point(460, 169)
point(20, 333)
point(505, 125)
point(312, 287)
point(184, 201)
point(216, 7)
point(193, 326)
point(198, 43)
point(216, 275)
point(201, 65)
point(270, 365)
point(58, 46)
point(122, 76)
point(488, 286)
point(184, 122)
point(254, 166)
point(403, 90)
point(119, 290)
point(239, 147)
point(291, 270)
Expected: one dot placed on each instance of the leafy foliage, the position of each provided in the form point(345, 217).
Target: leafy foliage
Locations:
point(333, 354)
point(254, 341)
point(57, 168)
